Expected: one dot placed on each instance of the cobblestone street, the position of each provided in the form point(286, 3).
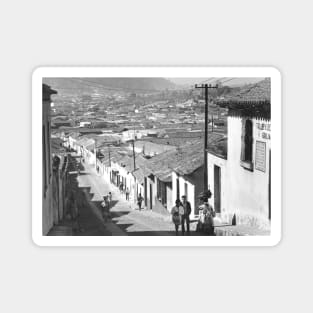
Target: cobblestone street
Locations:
point(126, 220)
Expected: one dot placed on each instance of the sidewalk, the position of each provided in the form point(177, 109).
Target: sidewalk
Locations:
point(240, 230)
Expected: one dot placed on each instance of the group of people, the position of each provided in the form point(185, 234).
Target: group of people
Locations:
point(181, 215)
point(122, 190)
point(106, 205)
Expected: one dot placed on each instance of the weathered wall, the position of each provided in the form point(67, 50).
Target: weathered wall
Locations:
point(190, 193)
point(169, 198)
point(244, 192)
point(225, 215)
point(47, 207)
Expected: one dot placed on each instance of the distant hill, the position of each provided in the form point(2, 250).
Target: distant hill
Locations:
point(86, 85)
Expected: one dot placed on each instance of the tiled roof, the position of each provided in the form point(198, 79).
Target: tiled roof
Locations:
point(251, 101)
point(86, 142)
point(260, 91)
point(152, 147)
point(47, 92)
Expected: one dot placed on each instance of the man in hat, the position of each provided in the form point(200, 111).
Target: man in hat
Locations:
point(185, 218)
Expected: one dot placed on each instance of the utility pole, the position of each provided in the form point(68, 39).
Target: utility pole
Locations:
point(206, 88)
point(109, 156)
point(96, 154)
point(134, 157)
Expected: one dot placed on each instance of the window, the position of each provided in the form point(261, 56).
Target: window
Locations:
point(186, 191)
point(247, 144)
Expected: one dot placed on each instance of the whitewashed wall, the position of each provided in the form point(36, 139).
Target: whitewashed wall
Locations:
point(190, 194)
point(243, 192)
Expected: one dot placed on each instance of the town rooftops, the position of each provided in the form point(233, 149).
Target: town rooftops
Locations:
point(86, 142)
point(162, 165)
point(152, 148)
point(251, 101)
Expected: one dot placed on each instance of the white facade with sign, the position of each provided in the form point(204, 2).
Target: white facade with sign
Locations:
point(242, 181)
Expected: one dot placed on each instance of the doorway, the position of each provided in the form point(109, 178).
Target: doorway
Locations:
point(145, 191)
point(150, 196)
point(217, 189)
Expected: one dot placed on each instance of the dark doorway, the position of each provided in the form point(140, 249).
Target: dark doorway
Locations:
point(145, 195)
point(150, 196)
point(177, 189)
point(217, 189)
point(186, 191)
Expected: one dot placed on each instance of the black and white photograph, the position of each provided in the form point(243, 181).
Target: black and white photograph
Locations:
point(157, 156)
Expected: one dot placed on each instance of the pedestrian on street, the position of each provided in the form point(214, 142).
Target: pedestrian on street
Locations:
point(186, 216)
point(139, 201)
point(105, 208)
point(177, 212)
point(110, 197)
point(121, 187)
point(127, 193)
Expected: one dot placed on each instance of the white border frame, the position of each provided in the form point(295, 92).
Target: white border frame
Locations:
point(276, 140)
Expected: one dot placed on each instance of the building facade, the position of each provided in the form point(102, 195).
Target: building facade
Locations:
point(241, 180)
point(48, 215)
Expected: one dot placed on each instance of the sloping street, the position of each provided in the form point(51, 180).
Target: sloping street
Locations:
point(125, 218)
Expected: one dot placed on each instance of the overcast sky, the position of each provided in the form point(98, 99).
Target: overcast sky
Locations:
point(197, 80)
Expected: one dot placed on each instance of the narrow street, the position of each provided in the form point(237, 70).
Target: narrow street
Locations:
point(89, 189)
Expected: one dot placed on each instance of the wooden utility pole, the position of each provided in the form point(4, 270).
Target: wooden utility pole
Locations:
point(206, 88)
point(109, 156)
point(134, 156)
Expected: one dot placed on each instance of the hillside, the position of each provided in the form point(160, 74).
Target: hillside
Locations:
point(87, 85)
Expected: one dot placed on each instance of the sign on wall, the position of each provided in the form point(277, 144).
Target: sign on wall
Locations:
point(260, 156)
point(263, 130)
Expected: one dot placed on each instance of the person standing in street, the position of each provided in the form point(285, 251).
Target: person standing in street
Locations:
point(139, 201)
point(121, 187)
point(177, 212)
point(186, 216)
point(110, 199)
point(127, 193)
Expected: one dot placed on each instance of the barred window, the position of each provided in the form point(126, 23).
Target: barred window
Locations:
point(246, 141)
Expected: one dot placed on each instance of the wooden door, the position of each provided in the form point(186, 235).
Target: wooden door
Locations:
point(217, 189)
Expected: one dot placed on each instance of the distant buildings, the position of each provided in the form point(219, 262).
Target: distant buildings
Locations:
point(169, 159)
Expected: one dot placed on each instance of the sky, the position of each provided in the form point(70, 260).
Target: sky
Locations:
point(197, 80)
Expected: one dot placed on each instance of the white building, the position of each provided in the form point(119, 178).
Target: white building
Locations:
point(239, 170)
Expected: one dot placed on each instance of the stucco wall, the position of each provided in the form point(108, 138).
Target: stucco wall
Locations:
point(243, 192)
point(169, 198)
point(190, 194)
point(47, 207)
point(213, 160)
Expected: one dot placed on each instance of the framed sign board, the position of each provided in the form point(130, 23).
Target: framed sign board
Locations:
point(260, 156)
